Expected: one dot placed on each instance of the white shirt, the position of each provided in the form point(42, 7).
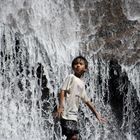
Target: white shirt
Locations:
point(74, 89)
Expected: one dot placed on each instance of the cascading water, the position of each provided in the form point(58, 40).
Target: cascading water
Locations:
point(39, 39)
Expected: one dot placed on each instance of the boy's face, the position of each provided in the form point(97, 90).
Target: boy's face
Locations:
point(79, 67)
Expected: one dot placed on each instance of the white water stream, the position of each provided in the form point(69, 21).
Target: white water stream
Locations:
point(48, 32)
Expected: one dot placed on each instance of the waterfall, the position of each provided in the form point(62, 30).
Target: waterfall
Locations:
point(39, 39)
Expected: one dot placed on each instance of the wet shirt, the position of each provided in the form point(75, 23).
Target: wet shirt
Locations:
point(74, 89)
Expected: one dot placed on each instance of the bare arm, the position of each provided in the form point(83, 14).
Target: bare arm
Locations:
point(61, 98)
point(61, 106)
point(93, 109)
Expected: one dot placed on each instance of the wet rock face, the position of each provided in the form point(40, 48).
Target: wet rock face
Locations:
point(116, 98)
point(42, 83)
point(106, 26)
point(123, 99)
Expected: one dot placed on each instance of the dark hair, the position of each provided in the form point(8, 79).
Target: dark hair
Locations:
point(82, 58)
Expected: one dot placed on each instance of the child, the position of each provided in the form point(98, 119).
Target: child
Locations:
point(72, 90)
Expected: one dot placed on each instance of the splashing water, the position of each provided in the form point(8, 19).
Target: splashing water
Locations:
point(37, 34)
point(38, 42)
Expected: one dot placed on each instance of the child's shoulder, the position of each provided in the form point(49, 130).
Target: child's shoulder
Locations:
point(70, 76)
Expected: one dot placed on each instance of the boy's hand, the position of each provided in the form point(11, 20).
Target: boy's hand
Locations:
point(100, 119)
point(59, 112)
